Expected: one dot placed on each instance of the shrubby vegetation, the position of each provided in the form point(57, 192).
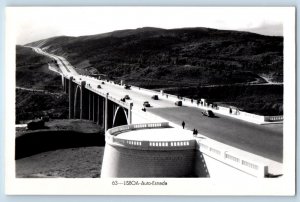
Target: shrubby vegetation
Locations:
point(258, 99)
point(198, 55)
point(31, 105)
point(32, 72)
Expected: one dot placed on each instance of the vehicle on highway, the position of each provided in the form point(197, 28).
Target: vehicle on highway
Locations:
point(127, 87)
point(208, 113)
point(146, 104)
point(155, 97)
point(99, 86)
point(127, 97)
point(102, 82)
point(178, 103)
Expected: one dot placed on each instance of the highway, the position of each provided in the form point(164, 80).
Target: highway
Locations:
point(263, 140)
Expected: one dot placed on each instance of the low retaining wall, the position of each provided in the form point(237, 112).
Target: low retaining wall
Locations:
point(31, 143)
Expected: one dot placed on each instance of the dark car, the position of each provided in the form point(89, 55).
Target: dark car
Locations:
point(102, 82)
point(146, 104)
point(155, 97)
point(178, 103)
point(99, 86)
point(127, 87)
point(208, 113)
point(127, 97)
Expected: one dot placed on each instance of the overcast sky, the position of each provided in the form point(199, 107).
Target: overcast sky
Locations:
point(33, 24)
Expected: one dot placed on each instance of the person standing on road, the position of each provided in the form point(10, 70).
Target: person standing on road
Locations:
point(183, 124)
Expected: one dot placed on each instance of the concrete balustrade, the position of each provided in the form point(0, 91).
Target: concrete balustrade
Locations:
point(273, 118)
point(239, 162)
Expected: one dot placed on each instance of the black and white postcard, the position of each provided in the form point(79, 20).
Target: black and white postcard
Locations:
point(150, 101)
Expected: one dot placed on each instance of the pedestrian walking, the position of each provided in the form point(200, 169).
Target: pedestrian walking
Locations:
point(183, 124)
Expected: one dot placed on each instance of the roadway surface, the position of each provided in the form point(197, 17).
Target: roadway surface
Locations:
point(263, 140)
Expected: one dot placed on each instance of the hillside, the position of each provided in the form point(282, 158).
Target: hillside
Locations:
point(149, 57)
point(32, 71)
point(192, 62)
point(39, 90)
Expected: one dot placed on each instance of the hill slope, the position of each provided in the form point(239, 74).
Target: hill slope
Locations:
point(39, 90)
point(149, 57)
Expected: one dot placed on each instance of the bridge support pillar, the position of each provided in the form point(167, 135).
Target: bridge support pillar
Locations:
point(67, 86)
point(103, 112)
point(84, 102)
point(90, 105)
point(71, 98)
point(95, 108)
point(63, 81)
point(98, 109)
point(106, 112)
point(130, 113)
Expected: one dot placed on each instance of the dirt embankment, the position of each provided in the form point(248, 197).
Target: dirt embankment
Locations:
point(65, 148)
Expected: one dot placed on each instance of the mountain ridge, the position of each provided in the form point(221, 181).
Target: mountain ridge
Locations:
point(198, 55)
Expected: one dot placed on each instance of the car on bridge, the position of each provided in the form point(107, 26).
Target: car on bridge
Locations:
point(127, 97)
point(178, 103)
point(146, 104)
point(154, 97)
point(208, 113)
point(127, 87)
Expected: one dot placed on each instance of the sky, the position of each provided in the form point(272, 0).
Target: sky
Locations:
point(35, 23)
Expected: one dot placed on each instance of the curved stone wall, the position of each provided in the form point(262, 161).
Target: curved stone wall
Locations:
point(120, 161)
point(133, 158)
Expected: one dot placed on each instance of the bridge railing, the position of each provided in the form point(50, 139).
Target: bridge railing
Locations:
point(113, 131)
point(273, 118)
point(191, 102)
point(112, 138)
point(94, 89)
point(237, 161)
